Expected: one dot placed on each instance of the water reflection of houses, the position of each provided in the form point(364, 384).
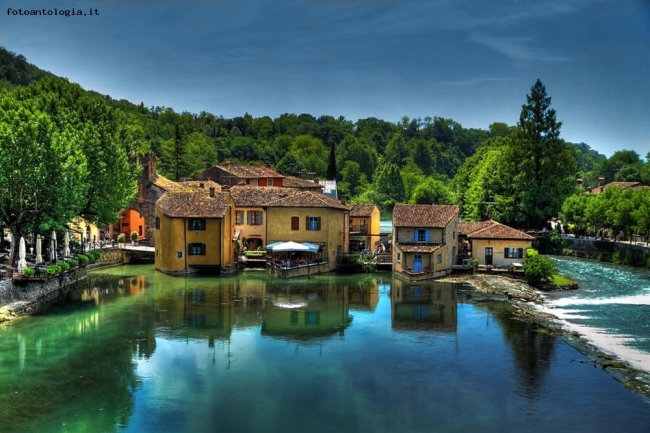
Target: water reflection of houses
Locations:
point(197, 312)
point(299, 312)
point(431, 306)
point(364, 295)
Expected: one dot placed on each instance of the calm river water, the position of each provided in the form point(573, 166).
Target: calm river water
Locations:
point(139, 351)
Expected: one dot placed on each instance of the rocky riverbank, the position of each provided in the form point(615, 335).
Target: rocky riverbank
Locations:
point(524, 299)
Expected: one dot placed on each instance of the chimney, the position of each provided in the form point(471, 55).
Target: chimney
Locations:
point(211, 191)
point(344, 200)
point(600, 181)
point(303, 174)
point(201, 185)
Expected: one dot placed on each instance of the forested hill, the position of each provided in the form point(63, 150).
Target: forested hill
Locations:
point(374, 160)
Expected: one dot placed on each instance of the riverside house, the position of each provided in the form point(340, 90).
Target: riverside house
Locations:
point(364, 227)
point(493, 243)
point(193, 230)
point(424, 240)
point(250, 213)
point(307, 216)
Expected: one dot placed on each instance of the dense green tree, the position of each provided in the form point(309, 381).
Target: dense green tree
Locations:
point(389, 185)
point(311, 152)
point(537, 169)
point(620, 160)
point(289, 165)
point(573, 210)
point(42, 170)
point(200, 153)
point(353, 179)
point(431, 191)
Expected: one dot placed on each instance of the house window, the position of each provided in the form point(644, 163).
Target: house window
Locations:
point(196, 249)
point(239, 217)
point(179, 254)
point(313, 223)
point(421, 235)
point(439, 258)
point(295, 223)
point(399, 257)
point(513, 253)
point(255, 217)
point(196, 224)
point(269, 182)
point(158, 222)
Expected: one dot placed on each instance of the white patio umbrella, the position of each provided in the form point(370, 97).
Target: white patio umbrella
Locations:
point(290, 246)
point(39, 257)
point(22, 263)
point(66, 244)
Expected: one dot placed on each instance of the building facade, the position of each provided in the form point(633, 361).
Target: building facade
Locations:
point(424, 240)
point(493, 243)
point(194, 231)
point(364, 227)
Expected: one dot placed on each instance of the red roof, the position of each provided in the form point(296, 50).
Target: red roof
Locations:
point(492, 230)
point(423, 215)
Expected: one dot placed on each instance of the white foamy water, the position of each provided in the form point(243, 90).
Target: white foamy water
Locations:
point(622, 300)
point(617, 345)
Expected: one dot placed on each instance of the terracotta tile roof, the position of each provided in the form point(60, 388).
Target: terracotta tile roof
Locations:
point(195, 185)
point(250, 171)
point(620, 185)
point(423, 215)
point(362, 210)
point(297, 182)
point(467, 227)
point(415, 248)
point(495, 230)
point(307, 199)
point(166, 184)
point(193, 204)
point(248, 196)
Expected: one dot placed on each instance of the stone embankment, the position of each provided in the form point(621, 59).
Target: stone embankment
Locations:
point(24, 297)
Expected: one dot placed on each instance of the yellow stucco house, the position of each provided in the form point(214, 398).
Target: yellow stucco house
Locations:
point(424, 240)
point(194, 230)
point(307, 216)
point(250, 213)
point(364, 227)
point(493, 243)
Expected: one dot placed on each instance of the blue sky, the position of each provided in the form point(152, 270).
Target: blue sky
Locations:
point(470, 60)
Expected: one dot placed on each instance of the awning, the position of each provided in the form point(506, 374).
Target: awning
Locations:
point(292, 246)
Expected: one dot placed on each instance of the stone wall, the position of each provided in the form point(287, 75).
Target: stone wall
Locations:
point(21, 297)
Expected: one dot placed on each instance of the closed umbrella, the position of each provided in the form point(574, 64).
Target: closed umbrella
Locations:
point(53, 247)
point(39, 257)
point(66, 244)
point(22, 263)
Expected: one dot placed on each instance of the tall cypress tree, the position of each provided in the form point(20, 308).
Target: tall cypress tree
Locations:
point(331, 165)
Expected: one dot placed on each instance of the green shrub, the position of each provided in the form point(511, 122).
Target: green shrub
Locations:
point(83, 259)
point(52, 270)
point(134, 236)
point(64, 266)
point(121, 238)
point(73, 263)
point(94, 256)
point(538, 269)
point(28, 272)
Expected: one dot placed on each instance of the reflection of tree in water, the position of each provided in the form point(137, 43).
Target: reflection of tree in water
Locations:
point(75, 357)
point(533, 350)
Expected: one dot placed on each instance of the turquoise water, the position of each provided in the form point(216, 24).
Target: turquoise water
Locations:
point(611, 308)
point(138, 351)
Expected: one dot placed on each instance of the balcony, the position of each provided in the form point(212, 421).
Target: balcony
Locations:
point(358, 229)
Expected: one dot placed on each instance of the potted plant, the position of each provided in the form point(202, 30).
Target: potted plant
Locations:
point(28, 273)
point(121, 239)
point(134, 237)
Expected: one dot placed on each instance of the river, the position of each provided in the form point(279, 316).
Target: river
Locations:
point(139, 351)
point(611, 309)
